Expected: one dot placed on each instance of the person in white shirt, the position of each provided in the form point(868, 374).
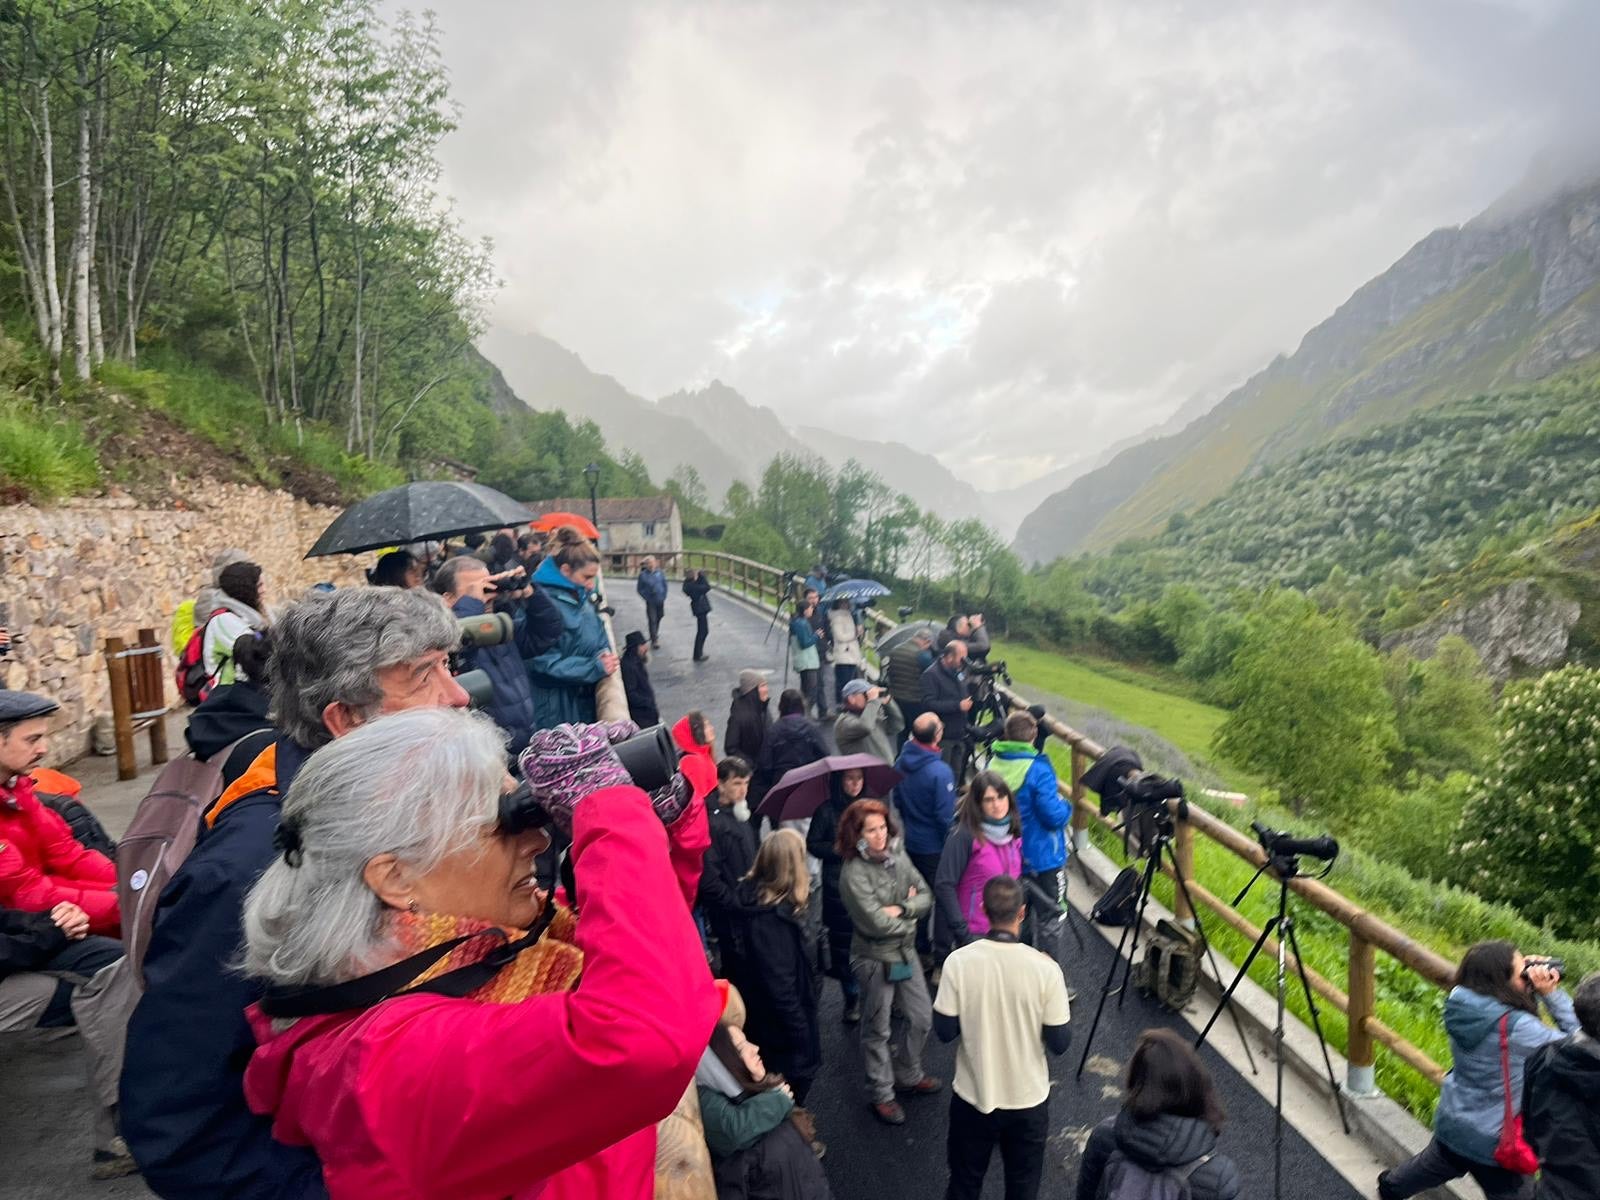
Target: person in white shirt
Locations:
point(240, 599)
point(1007, 1003)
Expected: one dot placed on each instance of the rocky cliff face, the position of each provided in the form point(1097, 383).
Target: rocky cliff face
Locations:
point(1510, 296)
point(1519, 629)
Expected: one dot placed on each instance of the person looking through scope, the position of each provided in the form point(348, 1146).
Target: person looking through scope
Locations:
point(1492, 1017)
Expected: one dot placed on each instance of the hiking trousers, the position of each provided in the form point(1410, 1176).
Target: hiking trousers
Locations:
point(881, 1002)
point(1439, 1164)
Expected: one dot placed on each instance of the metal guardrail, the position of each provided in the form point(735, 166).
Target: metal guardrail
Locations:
point(767, 585)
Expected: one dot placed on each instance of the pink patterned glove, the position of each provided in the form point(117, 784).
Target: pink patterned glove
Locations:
point(567, 763)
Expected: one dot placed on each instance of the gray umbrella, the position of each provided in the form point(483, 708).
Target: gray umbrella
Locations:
point(901, 633)
point(415, 512)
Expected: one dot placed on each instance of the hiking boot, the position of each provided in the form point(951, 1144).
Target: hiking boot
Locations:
point(852, 1011)
point(890, 1112)
point(114, 1162)
point(926, 1086)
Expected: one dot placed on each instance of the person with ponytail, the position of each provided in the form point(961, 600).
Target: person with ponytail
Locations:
point(986, 841)
point(565, 674)
point(1492, 1017)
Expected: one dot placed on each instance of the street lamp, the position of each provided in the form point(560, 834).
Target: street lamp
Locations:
point(592, 474)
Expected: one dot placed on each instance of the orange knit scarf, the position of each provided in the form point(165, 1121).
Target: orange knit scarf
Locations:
point(552, 964)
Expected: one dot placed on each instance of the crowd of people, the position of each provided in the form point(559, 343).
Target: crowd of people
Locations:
point(418, 950)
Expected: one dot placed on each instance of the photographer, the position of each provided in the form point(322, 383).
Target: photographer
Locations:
point(469, 589)
point(907, 663)
point(339, 660)
point(392, 847)
point(1492, 1017)
point(564, 674)
point(944, 693)
point(869, 722)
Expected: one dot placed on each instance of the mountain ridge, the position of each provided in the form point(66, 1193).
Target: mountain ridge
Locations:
point(1509, 296)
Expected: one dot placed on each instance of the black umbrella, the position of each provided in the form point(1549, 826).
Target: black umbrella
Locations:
point(901, 633)
point(857, 591)
point(416, 512)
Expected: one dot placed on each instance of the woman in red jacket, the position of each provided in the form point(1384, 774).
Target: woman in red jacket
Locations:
point(394, 858)
point(41, 863)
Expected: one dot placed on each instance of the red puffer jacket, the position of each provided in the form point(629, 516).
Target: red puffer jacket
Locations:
point(430, 1095)
point(41, 864)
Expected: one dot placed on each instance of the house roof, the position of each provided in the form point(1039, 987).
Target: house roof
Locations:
point(612, 510)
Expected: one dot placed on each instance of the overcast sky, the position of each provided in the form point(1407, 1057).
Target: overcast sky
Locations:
point(1006, 233)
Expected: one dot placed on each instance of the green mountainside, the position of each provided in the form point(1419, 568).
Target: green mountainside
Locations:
point(1402, 520)
point(1512, 296)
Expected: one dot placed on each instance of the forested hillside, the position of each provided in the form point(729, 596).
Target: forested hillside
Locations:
point(1511, 296)
point(1387, 508)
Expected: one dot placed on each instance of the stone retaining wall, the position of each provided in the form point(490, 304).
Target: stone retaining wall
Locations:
point(70, 577)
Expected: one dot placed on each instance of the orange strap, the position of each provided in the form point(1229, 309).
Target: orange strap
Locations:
point(262, 776)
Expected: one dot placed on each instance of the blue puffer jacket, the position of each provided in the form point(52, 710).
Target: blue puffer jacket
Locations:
point(511, 707)
point(1045, 815)
point(564, 675)
point(1472, 1100)
point(652, 585)
point(926, 798)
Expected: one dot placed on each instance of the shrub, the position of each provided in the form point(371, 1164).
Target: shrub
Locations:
point(1529, 831)
point(43, 458)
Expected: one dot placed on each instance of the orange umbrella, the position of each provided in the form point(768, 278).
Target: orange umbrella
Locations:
point(552, 521)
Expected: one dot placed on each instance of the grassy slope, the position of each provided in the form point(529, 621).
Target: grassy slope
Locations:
point(1445, 919)
point(1288, 415)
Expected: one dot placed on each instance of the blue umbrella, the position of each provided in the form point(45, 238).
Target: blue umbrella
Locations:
point(857, 591)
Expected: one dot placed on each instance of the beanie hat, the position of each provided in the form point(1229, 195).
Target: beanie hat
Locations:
point(749, 681)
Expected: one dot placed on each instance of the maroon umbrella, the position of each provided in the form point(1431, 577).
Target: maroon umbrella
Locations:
point(801, 791)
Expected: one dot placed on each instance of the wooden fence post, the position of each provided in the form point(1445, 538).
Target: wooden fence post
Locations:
point(1080, 816)
point(1361, 1080)
point(1183, 856)
point(155, 693)
point(121, 708)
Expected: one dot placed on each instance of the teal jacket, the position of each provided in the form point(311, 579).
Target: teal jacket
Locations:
point(731, 1127)
point(563, 677)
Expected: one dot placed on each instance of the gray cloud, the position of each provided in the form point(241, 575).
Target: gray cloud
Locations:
point(1008, 234)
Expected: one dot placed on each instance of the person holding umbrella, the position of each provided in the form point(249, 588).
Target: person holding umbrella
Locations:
point(564, 675)
point(844, 635)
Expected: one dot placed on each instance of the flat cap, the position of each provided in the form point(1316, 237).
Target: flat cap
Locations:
point(24, 706)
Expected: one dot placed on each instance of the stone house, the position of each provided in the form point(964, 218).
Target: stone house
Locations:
point(628, 525)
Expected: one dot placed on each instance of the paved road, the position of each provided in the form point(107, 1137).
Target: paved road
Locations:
point(44, 1148)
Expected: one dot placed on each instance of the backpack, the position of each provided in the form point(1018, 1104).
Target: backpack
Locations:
point(194, 685)
point(182, 627)
point(164, 829)
point(1119, 903)
point(1171, 967)
point(1125, 1179)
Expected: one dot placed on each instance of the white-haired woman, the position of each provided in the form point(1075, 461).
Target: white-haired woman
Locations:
point(393, 853)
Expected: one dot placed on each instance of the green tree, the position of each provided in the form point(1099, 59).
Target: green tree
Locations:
point(749, 536)
point(1531, 827)
point(1444, 709)
point(1308, 706)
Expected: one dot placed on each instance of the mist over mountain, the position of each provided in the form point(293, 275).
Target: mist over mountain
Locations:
point(1510, 296)
point(725, 436)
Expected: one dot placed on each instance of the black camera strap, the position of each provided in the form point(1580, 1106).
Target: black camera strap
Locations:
point(287, 1003)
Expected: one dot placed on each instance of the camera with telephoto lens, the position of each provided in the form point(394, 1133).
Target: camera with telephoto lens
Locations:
point(487, 629)
point(1146, 788)
point(650, 757)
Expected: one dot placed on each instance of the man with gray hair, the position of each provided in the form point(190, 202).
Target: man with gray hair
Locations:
point(339, 660)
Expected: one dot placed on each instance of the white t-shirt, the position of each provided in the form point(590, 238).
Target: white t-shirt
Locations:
point(1005, 993)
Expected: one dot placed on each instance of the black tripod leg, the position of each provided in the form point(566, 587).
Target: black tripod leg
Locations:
point(1316, 1022)
point(1151, 866)
point(1211, 957)
point(1244, 969)
point(1105, 990)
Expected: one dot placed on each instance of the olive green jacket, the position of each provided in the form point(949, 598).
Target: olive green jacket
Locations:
point(867, 888)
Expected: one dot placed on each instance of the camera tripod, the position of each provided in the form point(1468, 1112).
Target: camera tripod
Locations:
point(1285, 867)
point(1160, 843)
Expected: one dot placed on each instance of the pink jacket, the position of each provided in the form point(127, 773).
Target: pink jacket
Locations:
point(435, 1096)
point(42, 864)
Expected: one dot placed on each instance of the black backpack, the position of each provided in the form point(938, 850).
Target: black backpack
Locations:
point(1118, 905)
point(1125, 1179)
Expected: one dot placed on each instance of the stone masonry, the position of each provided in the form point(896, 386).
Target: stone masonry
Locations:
point(72, 576)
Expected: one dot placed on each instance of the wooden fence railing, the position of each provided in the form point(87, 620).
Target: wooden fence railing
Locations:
point(1368, 934)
